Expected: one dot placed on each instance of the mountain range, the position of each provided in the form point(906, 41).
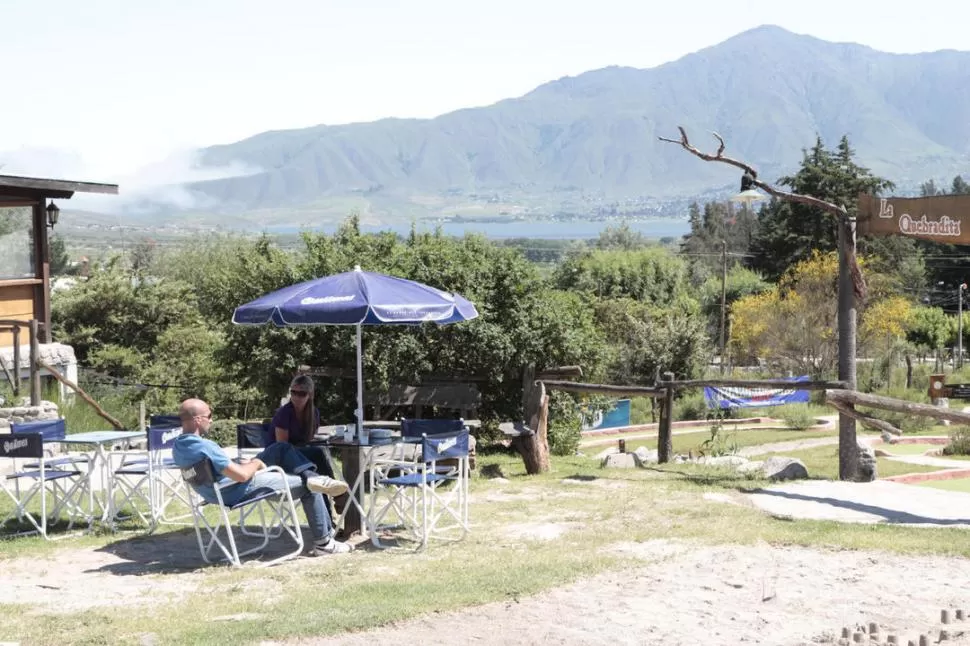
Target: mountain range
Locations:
point(587, 146)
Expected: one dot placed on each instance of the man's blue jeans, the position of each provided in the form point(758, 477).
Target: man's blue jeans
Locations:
point(294, 463)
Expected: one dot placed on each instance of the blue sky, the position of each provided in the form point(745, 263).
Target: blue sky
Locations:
point(99, 88)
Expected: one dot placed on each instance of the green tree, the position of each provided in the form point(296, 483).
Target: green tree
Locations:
point(60, 263)
point(945, 263)
point(522, 322)
point(789, 232)
point(645, 340)
point(651, 274)
point(959, 186)
point(621, 237)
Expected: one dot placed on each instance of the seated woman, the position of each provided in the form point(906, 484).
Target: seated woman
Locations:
point(297, 422)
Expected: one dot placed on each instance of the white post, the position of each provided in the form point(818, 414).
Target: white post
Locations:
point(360, 382)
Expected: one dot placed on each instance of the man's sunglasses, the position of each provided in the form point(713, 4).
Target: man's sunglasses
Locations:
point(298, 393)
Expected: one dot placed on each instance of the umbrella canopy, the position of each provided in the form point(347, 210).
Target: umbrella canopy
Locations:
point(356, 298)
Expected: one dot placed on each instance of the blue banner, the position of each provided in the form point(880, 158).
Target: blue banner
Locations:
point(616, 417)
point(738, 397)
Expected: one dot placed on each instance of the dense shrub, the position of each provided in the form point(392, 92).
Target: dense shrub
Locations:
point(959, 442)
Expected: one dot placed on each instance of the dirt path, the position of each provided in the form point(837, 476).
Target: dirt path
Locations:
point(689, 595)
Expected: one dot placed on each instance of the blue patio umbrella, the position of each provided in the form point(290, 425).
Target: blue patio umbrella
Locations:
point(356, 298)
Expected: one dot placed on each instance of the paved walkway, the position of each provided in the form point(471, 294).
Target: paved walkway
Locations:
point(869, 502)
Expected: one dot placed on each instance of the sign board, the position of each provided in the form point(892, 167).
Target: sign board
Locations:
point(958, 391)
point(940, 390)
point(738, 397)
point(940, 218)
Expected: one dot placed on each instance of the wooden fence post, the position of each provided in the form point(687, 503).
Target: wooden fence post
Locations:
point(16, 362)
point(665, 444)
point(34, 371)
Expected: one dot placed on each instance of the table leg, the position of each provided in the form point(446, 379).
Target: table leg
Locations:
point(352, 460)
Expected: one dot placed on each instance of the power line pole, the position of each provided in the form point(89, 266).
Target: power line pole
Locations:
point(959, 361)
point(723, 298)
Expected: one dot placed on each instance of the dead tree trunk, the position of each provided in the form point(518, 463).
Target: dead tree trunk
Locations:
point(534, 446)
point(86, 397)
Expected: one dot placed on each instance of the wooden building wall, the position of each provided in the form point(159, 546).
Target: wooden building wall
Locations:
point(16, 302)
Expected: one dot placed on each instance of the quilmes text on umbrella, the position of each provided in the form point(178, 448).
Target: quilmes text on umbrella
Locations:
point(314, 300)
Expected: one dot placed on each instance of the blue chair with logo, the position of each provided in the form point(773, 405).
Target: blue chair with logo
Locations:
point(29, 484)
point(149, 483)
point(275, 510)
point(424, 498)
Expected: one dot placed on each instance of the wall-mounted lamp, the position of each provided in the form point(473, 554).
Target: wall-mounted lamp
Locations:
point(53, 213)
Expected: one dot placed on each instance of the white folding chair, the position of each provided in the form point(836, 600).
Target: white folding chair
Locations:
point(67, 486)
point(427, 498)
point(149, 482)
point(276, 513)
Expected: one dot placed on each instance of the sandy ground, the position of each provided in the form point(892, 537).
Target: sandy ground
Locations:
point(683, 593)
point(690, 595)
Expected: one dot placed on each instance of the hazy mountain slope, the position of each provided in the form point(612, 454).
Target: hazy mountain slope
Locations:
point(767, 91)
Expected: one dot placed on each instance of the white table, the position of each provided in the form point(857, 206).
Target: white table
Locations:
point(100, 460)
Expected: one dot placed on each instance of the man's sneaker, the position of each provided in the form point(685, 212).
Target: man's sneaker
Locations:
point(326, 547)
point(327, 485)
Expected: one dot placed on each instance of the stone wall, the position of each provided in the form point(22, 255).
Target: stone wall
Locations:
point(26, 413)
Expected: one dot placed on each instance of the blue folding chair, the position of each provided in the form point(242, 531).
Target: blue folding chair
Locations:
point(67, 486)
point(149, 482)
point(282, 515)
point(251, 438)
point(425, 498)
point(419, 427)
point(52, 430)
point(167, 421)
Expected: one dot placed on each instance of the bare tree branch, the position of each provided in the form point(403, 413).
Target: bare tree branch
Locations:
point(858, 283)
point(767, 188)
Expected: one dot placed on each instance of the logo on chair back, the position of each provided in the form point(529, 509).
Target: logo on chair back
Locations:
point(447, 443)
point(14, 444)
point(168, 436)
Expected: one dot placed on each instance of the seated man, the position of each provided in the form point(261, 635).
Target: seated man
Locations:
point(301, 476)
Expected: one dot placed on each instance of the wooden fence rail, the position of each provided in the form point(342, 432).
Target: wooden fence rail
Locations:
point(665, 388)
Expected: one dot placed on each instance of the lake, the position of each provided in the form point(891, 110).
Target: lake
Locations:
point(577, 229)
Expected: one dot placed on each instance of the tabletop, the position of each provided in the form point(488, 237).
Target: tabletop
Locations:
point(101, 437)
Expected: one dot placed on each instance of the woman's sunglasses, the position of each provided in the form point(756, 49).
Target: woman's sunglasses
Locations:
point(298, 393)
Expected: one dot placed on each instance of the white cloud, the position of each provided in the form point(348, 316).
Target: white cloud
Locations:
point(160, 184)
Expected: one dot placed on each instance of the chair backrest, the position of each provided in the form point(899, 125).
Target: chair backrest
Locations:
point(200, 474)
point(22, 445)
point(251, 435)
point(166, 421)
point(419, 427)
point(51, 430)
point(443, 447)
point(163, 437)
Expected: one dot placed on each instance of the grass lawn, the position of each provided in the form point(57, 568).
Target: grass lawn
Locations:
point(823, 462)
point(694, 441)
point(909, 449)
point(499, 561)
point(954, 484)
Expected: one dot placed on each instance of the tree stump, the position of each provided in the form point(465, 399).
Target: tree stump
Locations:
point(534, 447)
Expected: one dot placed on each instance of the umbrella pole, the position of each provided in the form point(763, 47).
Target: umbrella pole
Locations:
point(360, 383)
